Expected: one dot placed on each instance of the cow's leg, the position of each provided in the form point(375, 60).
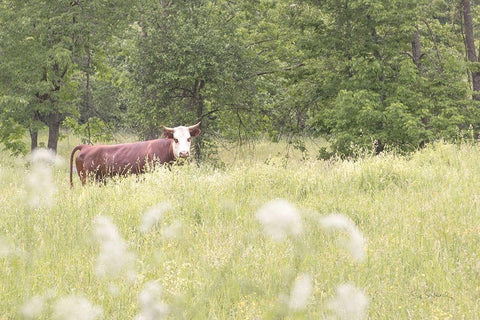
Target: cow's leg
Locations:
point(83, 176)
point(99, 177)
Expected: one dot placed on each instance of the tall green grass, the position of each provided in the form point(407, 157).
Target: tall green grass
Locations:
point(210, 257)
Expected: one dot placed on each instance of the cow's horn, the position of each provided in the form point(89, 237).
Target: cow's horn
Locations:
point(167, 129)
point(195, 126)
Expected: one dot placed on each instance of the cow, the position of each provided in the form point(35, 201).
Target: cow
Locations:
point(101, 161)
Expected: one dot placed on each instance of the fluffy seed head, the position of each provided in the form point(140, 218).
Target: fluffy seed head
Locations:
point(75, 308)
point(301, 292)
point(45, 157)
point(350, 303)
point(151, 306)
point(153, 215)
point(6, 247)
point(39, 182)
point(280, 219)
point(355, 243)
point(114, 258)
point(33, 308)
point(172, 231)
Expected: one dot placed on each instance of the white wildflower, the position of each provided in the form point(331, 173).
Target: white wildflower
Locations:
point(355, 243)
point(153, 216)
point(350, 303)
point(75, 308)
point(151, 305)
point(301, 292)
point(280, 219)
point(114, 257)
point(33, 308)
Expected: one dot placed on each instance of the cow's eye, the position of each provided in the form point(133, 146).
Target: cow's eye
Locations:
point(176, 140)
point(189, 139)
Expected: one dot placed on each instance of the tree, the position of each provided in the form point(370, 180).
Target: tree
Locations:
point(366, 74)
point(49, 43)
point(98, 24)
point(372, 86)
point(470, 48)
point(189, 66)
point(40, 53)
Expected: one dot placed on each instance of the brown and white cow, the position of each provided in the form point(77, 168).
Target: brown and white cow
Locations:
point(102, 161)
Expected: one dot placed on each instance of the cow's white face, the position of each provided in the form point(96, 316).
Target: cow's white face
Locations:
point(182, 139)
point(181, 142)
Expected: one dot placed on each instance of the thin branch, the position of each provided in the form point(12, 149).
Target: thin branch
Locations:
point(208, 113)
point(263, 41)
point(435, 46)
point(261, 73)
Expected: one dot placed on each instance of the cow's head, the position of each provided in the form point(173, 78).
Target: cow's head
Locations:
point(182, 139)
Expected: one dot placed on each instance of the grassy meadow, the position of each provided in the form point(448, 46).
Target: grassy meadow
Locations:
point(385, 237)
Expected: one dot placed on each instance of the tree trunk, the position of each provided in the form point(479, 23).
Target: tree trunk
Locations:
point(416, 57)
point(88, 96)
point(53, 130)
point(198, 100)
point(417, 51)
point(34, 131)
point(470, 47)
point(33, 139)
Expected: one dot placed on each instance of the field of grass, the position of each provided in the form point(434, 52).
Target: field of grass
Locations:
point(386, 237)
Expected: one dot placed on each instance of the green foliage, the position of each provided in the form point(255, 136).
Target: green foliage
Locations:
point(188, 67)
point(94, 130)
point(402, 128)
point(45, 47)
point(392, 73)
point(12, 135)
point(375, 91)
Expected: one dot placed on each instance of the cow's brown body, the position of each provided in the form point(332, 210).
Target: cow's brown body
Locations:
point(102, 161)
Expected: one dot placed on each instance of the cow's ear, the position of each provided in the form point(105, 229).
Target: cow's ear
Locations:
point(168, 132)
point(195, 130)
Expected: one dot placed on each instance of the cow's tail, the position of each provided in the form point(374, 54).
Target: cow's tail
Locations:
point(79, 147)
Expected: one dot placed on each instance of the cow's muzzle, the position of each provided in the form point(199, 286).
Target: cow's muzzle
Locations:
point(184, 154)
